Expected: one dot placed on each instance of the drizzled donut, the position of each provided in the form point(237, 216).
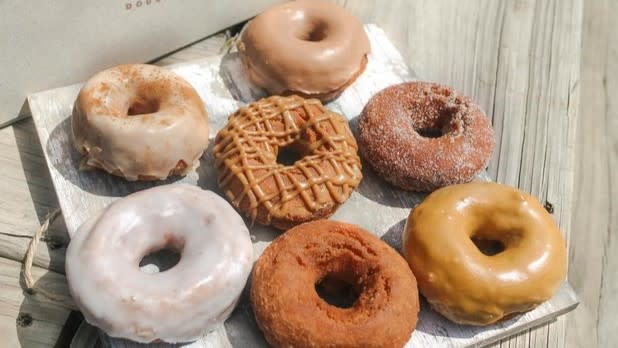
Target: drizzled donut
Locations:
point(179, 304)
point(140, 122)
point(271, 193)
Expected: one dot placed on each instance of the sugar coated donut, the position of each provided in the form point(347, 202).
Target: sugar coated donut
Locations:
point(271, 193)
point(176, 305)
point(310, 48)
point(140, 122)
point(289, 310)
point(420, 136)
point(443, 243)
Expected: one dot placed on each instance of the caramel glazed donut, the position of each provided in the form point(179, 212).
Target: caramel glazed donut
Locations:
point(179, 304)
point(309, 48)
point(289, 310)
point(420, 136)
point(270, 193)
point(140, 122)
point(472, 287)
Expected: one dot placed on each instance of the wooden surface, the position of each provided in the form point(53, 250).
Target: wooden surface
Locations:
point(594, 242)
point(520, 60)
point(222, 86)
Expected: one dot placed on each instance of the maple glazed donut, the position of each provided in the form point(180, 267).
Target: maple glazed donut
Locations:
point(178, 304)
point(140, 122)
point(420, 136)
point(310, 48)
point(289, 310)
point(443, 241)
point(271, 193)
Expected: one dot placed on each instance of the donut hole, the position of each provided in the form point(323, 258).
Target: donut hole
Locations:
point(337, 291)
point(314, 32)
point(161, 259)
point(487, 246)
point(288, 155)
point(430, 132)
point(142, 106)
point(440, 118)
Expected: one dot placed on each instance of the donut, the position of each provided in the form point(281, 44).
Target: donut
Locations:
point(271, 193)
point(140, 122)
point(176, 305)
point(310, 48)
point(482, 252)
point(289, 310)
point(420, 136)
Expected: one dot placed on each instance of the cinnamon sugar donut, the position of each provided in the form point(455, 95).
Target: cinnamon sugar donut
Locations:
point(289, 310)
point(313, 49)
point(140, 122)
point(271, 193)
point(420, 136)
point(473, 287)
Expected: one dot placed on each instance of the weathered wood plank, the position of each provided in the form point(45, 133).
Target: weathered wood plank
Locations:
point(30, 320)
point(594, 252)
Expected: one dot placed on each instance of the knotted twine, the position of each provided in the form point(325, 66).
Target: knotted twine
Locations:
point(28, 281)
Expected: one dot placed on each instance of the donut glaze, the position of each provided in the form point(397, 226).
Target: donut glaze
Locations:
point(140, 122)
point(466, 285)
point(289, 310)
point(393, 136)
point(310, 48)
point(176, 305)
point(271, 193)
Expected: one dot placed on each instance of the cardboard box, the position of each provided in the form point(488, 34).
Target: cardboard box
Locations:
point(52, 43)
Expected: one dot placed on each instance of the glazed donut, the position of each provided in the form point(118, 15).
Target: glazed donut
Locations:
point(179, 304)
point(289, 310)
point(309, 48)
point(420, 136)
point(140, 122)
point(443, 243)
point(270, 193)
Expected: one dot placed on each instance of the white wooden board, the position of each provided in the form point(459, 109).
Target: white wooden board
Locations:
point(222, 86)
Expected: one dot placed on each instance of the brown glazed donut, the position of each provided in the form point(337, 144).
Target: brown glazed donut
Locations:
point(140, 122)
point(271, 193)
point(314, 49)
point(289, 310)
point(443, 242)
point(420, 136)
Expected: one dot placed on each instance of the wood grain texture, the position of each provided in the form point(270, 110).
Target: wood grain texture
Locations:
point(594, 241)
point(30, 320)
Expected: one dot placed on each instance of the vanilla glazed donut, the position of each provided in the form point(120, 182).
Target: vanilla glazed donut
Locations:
point(179, 304)
point(310, 48)
point(140, 122)
point(444, 241)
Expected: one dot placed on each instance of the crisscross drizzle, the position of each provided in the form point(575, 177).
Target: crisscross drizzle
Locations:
point(246, 151)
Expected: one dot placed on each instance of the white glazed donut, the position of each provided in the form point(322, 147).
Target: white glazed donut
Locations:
point(176, 305)
point(140, 122)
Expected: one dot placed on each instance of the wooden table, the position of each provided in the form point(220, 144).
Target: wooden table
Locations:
point(521, 60)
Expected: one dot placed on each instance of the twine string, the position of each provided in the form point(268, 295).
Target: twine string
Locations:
point(28, 281)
